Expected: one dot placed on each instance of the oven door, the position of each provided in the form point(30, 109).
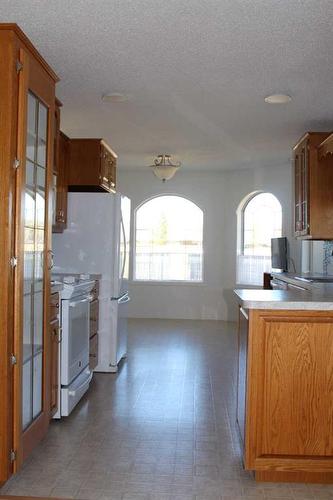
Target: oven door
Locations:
point(75, 341)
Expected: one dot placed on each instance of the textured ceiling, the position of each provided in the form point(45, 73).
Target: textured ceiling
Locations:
point(197, 73)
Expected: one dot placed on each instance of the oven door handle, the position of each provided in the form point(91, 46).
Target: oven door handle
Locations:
point(73, 304)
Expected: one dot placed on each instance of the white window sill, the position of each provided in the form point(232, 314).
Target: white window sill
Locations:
point(168, 283)
point(247, 285)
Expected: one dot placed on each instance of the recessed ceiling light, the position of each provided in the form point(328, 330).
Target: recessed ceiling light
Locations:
point(115, 97)
point(278, 99)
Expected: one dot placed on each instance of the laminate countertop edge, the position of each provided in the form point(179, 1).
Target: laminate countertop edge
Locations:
point(319, 299)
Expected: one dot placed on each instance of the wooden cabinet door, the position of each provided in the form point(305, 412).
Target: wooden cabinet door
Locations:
point(298, 190)
point(62, 185)
point(104, 176)
point(243, 328)
point(305, 188)
point(55, 176)
point(33, 239)
point(301, 173)
point(289, 393)
point(54, 365)
point(112, 167)
point(60, 172)
point(107, 170)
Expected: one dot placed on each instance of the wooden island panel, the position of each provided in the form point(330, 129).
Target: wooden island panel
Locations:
point(289, 401)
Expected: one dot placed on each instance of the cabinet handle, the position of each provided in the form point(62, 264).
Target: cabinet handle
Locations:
point(246, 316)
point(112, 184)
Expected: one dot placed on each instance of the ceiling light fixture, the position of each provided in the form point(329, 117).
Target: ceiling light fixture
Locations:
point(278, 99)
point(114, 97)
point(163, 167)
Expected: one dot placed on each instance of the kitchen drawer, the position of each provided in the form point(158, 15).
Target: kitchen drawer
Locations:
point(93, 352)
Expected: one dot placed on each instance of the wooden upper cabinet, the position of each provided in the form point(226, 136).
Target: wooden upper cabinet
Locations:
point(326, 148)
point(313, 184)
point(60, 172)
point(60, 214)
point(92, 166)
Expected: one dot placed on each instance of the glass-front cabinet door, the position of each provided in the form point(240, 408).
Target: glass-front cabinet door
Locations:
point(32, 386)
point(26, 144)
point(34, 248)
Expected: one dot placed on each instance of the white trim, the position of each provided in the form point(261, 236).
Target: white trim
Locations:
point(240, 229)
point(168, 282)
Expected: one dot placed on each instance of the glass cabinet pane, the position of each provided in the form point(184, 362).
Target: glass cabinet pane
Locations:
point(37, 385)
point(39, 256)
point(34, 250)
point(40, 209)
point(27, 395)
point(40, 177)
point(38, 322)
point(30, 170)
point(42, 122)
point(27, 337)
point(31, 134)
point(32, 108)
point(42, 133)
point(28, 258)
point(41, 152)
point(29, 208)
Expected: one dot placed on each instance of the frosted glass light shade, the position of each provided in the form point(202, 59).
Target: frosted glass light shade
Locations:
point(163, 168)
point(164, 173)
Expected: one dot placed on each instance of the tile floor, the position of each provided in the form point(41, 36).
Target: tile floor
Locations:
point(163, 428)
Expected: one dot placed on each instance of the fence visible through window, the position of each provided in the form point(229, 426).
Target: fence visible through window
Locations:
point(168, 243)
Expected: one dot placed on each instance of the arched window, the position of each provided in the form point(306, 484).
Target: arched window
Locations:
point(260, 219)
point(168, 240)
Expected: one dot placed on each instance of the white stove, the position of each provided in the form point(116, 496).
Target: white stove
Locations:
point(74, 372)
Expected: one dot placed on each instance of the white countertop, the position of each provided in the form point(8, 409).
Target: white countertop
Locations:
point(319, 298)
point(302, 280)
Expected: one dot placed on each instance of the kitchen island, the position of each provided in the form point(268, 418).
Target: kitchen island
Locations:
point(285, 383)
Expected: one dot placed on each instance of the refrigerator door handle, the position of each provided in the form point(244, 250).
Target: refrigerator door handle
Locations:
point(124, 299)
point(121, 298)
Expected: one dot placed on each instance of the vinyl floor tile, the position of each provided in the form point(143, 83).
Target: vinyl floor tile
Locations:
point(162, 428)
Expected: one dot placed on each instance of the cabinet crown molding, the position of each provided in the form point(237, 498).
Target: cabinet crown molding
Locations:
point(24, 39)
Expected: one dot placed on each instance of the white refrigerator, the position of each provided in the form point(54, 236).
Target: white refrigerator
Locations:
point(97, 241)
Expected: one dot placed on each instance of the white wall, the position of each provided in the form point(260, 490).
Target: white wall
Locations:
point(218, 194)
